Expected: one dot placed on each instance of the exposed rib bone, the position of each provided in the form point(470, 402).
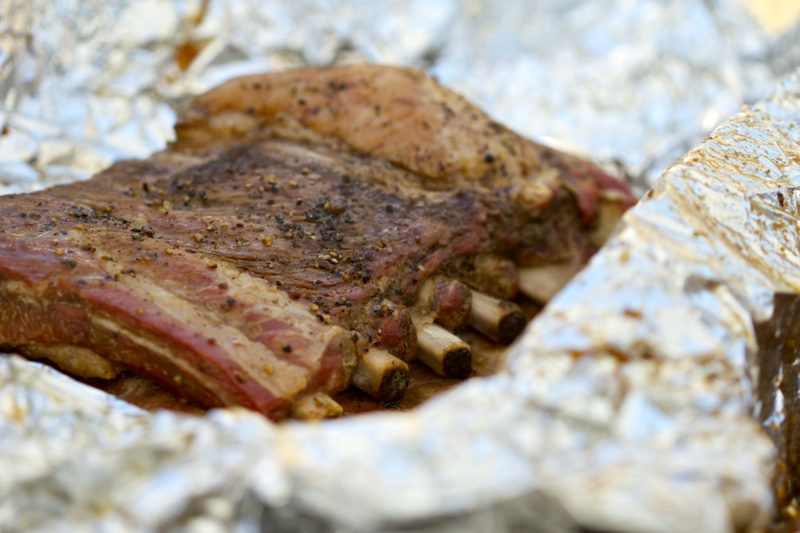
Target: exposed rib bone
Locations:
point(542, 283)
point(487, 355)
point(443, 352)
point(447, 300)
point(381, 375)
point(316, 407)
point(498, 319)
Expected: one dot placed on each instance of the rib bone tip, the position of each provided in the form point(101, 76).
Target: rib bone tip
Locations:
point(443, 352)
point(458, 363)
point(510, 327)
point(381, 375)
point(498, 319)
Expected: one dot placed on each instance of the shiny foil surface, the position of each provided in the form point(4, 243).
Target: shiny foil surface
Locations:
point(631, 403)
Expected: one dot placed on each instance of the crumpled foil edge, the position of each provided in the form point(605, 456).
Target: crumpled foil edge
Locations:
point(626, 405)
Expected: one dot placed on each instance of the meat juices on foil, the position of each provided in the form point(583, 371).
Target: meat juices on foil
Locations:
point(308, 230)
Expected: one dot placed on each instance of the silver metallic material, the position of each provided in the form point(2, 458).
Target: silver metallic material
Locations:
point(627, 405)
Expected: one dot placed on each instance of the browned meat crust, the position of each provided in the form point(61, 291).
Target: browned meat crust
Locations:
point(285, 232)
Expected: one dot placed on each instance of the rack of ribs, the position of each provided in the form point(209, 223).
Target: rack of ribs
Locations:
point(307, 231)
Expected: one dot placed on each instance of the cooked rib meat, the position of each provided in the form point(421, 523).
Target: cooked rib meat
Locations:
point(283, 234)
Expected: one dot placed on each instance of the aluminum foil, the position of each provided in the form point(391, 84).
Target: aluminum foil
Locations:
point(629, 403)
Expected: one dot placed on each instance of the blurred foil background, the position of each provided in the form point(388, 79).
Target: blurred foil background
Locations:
point(86, 82)
point(650, 429)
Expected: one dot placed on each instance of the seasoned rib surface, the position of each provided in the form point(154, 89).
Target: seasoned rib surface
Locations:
point(286, 232)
